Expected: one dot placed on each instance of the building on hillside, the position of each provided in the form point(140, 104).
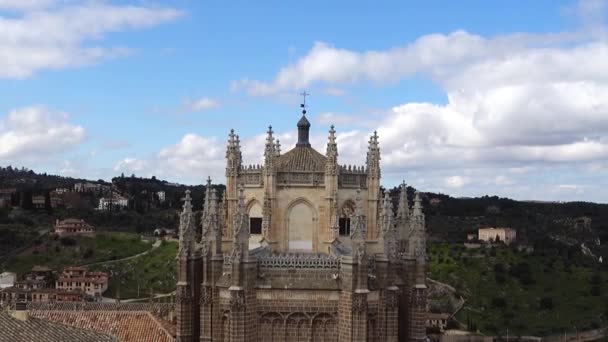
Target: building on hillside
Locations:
point(39, 202)
point(164, 232)
point(61, 191)
point(161, 196)
point(506, 235)
point(40, 295)
point(113, 202)
point(7, 279)
point(437, 320)
point(6, 197)
point(435, 201)
point(472, 237)
point(93, 284)
point(73, 227)
point(56, 200)
point(302, 248)
point(88, 187)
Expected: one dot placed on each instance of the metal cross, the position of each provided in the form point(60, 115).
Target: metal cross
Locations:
point(304, 94)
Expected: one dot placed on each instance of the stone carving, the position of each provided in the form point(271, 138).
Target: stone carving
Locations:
point(392, 299)
point(359, 303)
point(237, 300)
point(206, 295)
point(304, 261)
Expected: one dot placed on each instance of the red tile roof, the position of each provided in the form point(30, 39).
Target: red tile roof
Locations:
point(128, 326)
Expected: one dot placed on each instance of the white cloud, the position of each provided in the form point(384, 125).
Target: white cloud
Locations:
point(34, 132)
point(456, 181)
point(67, 36)
point(131, 165)
point(202, 104)
point(25, 5)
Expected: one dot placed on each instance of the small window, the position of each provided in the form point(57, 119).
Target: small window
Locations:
point(344, 223)
point(255, 225)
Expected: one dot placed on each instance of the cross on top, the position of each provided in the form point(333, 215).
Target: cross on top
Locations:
point(303, 105)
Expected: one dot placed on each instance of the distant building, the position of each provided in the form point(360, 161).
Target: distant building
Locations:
point(80, 278)
point(161, 196)
point(7, 279)
point(61, 191)
point(6, 197)
point(506, 235)
point(73, 227)
point(39, 202)
point(163, 232)
point(39, 295)
point(113, 202)
point(435, 201)
point(56, 199)
point(87, 187)
point(437, 320)
point(471, 237)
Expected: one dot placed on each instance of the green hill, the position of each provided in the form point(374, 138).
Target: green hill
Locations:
point(548, 291)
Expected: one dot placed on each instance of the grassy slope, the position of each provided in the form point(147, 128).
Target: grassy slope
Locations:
point(154, 271)
point(565, 291)
point(57, 254)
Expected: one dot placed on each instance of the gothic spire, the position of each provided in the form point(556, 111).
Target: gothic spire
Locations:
point(269, 151)
point(234, 157)
point(359, 221)
point(186, 227)
point(277, 148)
point(373, 156)
point(241, 219)
point(332, 148)
point(387, 234)
point(417, 238)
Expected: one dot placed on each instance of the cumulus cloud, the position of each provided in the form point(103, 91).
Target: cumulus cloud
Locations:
point(37, 131)
point(513, 102)
point(456, 181)
point(131, 165)
point(203, 104)
point(67, 35)
point(25, 5)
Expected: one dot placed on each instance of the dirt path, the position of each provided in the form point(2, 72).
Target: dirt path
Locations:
point(155, 245)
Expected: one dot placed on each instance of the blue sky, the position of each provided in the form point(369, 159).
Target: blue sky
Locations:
point(469, 98)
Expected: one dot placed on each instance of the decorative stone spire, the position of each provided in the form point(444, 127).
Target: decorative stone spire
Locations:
point(388, 234)
point(269, 151)
point(240, 228)
point(403, 215)
point(186, 228)
point(204, 230)
point(358, 221)
point(233, 154)
point(277, 148)
point(331, 167)
point(373, 156)
point(417, 238)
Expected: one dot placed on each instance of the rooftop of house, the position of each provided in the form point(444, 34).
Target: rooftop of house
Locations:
point(28, 328)
point(127, 326)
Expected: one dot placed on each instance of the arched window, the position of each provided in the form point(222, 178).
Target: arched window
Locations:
point(344, 219)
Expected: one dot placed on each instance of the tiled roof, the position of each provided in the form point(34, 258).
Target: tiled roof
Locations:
point(36, 329)
point(128, 326)
point(159, 309)
point(302, 158)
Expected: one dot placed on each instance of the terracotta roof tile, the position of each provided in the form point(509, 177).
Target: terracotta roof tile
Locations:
point(37, 329)
point(302, 158)
point(128, 326)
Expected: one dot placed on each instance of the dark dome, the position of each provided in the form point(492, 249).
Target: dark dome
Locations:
point(303, 122)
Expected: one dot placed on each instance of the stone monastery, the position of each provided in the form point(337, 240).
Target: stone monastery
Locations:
point(302, 249)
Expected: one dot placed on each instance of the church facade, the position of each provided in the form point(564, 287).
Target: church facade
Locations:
point(302, 248)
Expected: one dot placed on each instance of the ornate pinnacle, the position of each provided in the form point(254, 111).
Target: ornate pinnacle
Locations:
point(277, 147)
point(417, 205)
point(404, 207)
point(187, 202)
